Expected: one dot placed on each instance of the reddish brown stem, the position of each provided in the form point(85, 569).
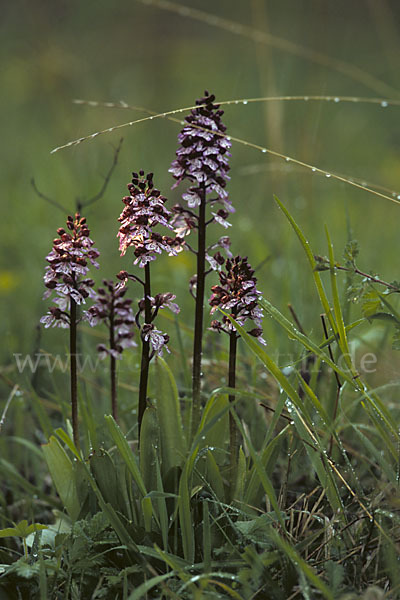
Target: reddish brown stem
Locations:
point(73, 373)
point(145, 362)
point(198, 325)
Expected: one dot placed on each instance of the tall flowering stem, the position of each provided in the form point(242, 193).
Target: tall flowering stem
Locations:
point(144, 209)
point(65, 276)
point(236, 295)
point(145, 362)
point(198, 323)
point(73, 372)
point(201, 159)
point(115, 311)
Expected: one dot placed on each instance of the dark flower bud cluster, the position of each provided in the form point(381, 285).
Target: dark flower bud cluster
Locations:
point(144, 209)
point(237, 294)
point(203, 155)
point(115, 311)
point(66, 272)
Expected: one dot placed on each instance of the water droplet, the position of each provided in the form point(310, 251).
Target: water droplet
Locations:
point(182, 122)
point(244, 101)
point(287, 159)
point(236, 101)
point(313, 169)
point(203, 437)
point(264, 150)
point(150, 118)
point(327, 175)
point(398, 197)
point(384, 104)
point(337, 99)
point(306, 98)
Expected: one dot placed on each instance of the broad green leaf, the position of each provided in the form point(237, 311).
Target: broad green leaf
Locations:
point(105, 473)
point(149, 441)
point(173, 444)
point(62, 473)
point(241, 472)
point(22, 529)
point(147, 509)
point(371, 303)
point(126, 453)
point(214, 477)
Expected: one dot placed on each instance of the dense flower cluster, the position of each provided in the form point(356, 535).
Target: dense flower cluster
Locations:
point(144, 209)
point(158, 340)
point(237, 294)
point(67, 269)
point(158, 302)
point(115, 311)
point(202, 157)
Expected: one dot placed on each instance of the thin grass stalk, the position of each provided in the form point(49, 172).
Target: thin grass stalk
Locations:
point(73, 374)
point(198, 326)
point(144, 367)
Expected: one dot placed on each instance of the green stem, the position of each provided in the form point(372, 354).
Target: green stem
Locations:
point(74, 385)
point(198, 324)
point(144, 367)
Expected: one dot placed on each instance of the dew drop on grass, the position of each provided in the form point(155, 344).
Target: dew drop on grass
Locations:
point(398, 197)
point(306, 98)
point(337, 99)
point(328, 175)
point(313, 169)
point(287, 159)
point(384, 104)
point(245, 101)
point(264, 150)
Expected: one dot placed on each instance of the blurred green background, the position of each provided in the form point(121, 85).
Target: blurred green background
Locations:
point(161, 59)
